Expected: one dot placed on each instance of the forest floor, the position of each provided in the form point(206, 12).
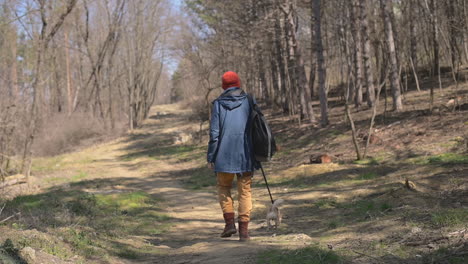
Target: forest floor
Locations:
point(149, 198)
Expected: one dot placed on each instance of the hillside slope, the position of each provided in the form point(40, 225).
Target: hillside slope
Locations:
point(148, 197)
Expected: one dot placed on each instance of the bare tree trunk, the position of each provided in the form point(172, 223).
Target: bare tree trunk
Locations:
point(353, 132)
point(274, 79)
point(386, 7)
point(435, 37)
point(313, 52)
point(14, 69)
point(281, 65)
point(322, 72)
point(294, 91)
point(435, 46)
point(261, 74)
point(413, 42)
point(453, 47)
point(412, 30)
point(307, 98)
point(42, 47)
point(366, 52)
point(57, 97)
point(69, 77)
point(347, 88)
point(372, 122)
point(297, 61)
point(465, 29)
point(355, 28)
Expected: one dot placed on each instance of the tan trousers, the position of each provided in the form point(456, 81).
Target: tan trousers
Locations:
point(244, 192)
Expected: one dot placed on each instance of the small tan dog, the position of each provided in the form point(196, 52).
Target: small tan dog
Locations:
point(274, 214)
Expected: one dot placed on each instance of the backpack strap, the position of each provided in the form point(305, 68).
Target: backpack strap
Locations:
point(253, 113)
point(252, 110)
point(251, 103)
point(249, 97)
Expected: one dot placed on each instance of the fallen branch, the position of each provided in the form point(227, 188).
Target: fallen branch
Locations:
point(353, 132)
point(8, 218)
point(8, 157)
point(365, 255)
point(374, 113)
point(1, 210)
point(456, 233)
point(425, 241)
point(18, 179)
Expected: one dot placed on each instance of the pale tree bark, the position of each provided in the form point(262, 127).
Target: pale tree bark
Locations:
point(261, 73)
point(45, 37)
point(298, 63)
point(412, 30)
point(366, 53)
point(432, 9)
point(8, 55)
point(56, 94)
point(358, 67)
point(96, 79)
point(386, 7)
point(69, 77)
point(274, 74)
point(465, 29)
point(348, 60)
point(281, 65)
point(411, 16)
point(14, 67)
point(452, 31)
point(142, 35)
point(313, 59)
point(321, 70)
point(295, 94)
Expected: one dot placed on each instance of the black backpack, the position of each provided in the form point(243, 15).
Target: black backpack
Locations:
point(263, 141)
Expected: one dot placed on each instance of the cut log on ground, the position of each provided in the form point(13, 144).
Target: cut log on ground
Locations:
point(320, 158)
point(12, 180)
point(373, 139)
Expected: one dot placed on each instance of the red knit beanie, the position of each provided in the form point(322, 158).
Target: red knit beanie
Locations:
point(230, 79)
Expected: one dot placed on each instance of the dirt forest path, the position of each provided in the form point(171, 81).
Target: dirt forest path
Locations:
point(148, 197)
point(149, 160)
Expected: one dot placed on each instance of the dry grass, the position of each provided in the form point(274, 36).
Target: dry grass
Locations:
point(63, 133)
point(363, 210)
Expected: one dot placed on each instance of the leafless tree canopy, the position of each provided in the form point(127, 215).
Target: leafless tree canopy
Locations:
point(73, 60)
point(288, 52)
point(106, 59)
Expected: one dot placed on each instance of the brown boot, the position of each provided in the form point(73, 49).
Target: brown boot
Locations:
point(230, 227)
point(244, 231)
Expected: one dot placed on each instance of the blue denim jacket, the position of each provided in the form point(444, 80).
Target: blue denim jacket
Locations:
point(230, 147)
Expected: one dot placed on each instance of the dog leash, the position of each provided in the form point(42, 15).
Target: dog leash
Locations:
point(268, 187)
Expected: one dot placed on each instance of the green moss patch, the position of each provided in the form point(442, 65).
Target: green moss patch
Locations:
point(365, 209)
point(367, 176)
point(165, 152)
point(89, 223)
point(441, 159)
point(9, 253)
point(368, 161)
point(309, 255)
point(450, 217)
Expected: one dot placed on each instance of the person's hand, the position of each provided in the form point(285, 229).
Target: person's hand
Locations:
point(210, 165)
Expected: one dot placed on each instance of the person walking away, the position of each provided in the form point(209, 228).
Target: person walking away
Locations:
point(230, 154)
